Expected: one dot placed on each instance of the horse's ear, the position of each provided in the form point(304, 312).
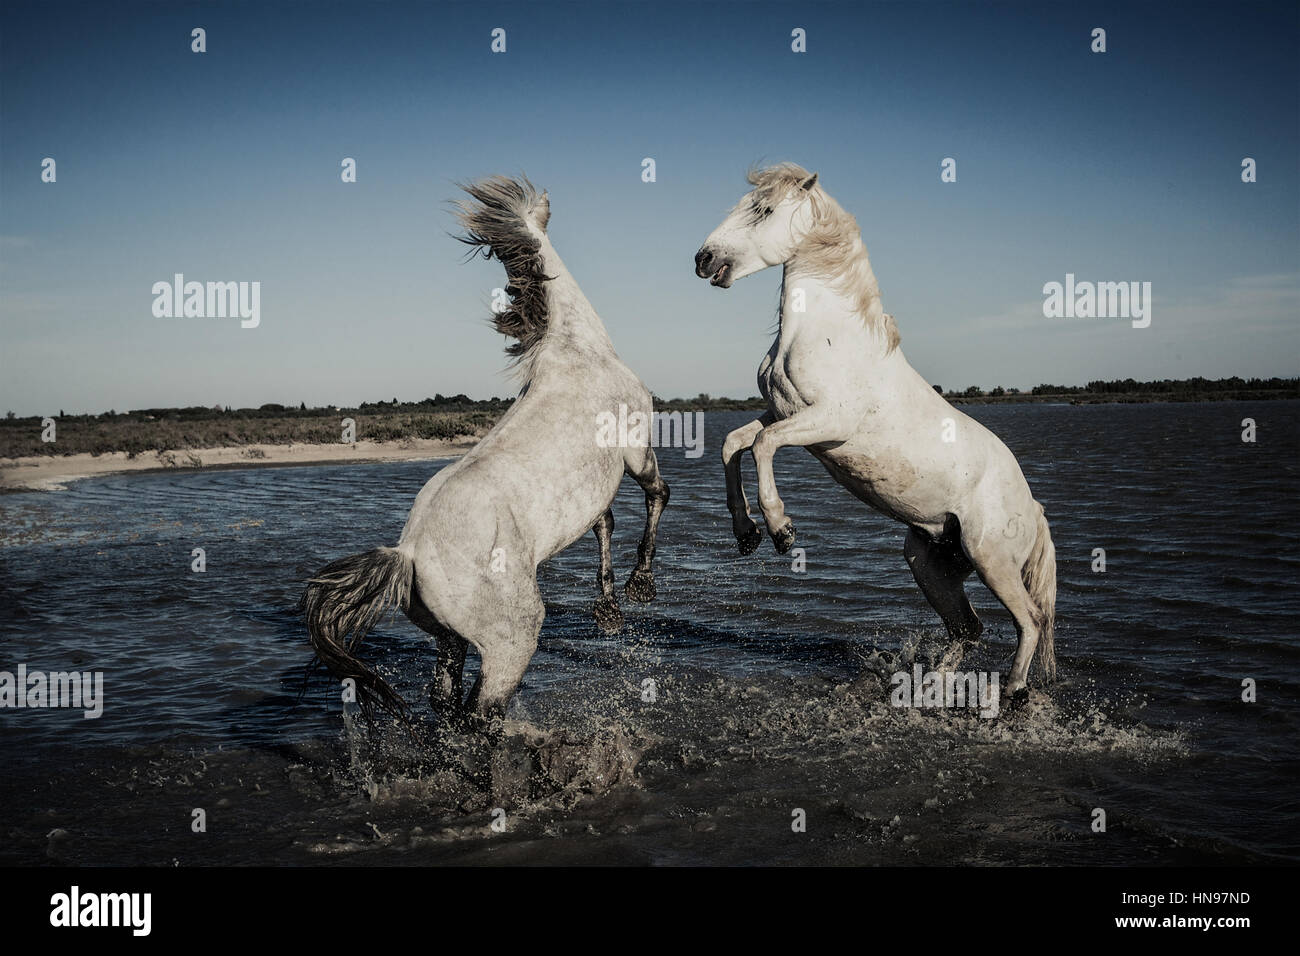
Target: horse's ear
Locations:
point(809, 183)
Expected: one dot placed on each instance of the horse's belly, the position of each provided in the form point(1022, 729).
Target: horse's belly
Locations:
point(893, 486)
point(573, 503)
point(534, 507)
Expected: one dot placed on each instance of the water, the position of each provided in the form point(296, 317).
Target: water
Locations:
point(762, 707)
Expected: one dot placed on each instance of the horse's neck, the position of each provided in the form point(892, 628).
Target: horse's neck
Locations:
point(847, 302)
point(571, 321)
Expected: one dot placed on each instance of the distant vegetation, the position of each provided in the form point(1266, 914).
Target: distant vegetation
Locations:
point(1119, 390)
point(174, 429)
point(705, 403)
point(169, 429)
point(1130, 390)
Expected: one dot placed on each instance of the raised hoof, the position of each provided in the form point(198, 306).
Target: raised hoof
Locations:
point(640, 587)
point(750, 540)
point(1018, 699)
point(784, 539)
point(609, 617)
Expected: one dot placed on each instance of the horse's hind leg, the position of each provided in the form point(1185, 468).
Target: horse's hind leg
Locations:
point(506, 643)
point(941, 568)
point(447, 690)
point(607, 612)
point(999, 566)
point(642, 465)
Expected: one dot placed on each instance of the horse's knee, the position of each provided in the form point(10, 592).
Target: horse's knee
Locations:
point(731, 447)
point(764, 447)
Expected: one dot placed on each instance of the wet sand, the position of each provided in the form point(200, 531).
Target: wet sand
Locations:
point(52, 473)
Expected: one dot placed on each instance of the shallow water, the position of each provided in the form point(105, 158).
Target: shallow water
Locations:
point(764, 704)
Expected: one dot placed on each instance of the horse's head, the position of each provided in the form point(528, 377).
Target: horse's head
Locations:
point(765, 227)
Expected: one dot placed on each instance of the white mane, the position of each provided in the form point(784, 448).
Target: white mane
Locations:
point(833, 248)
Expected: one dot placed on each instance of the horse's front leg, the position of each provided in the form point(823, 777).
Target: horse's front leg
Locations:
point(642, 465)
point(748, 535)
point(811, 426)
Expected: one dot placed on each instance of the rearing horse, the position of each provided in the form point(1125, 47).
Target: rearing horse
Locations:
point(465, 567)
point(837, 383)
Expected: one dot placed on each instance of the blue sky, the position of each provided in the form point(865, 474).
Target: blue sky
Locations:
point(225, 166)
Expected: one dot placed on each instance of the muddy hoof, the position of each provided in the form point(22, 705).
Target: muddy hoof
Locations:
point(609, 617)
point(750, 540)
point(1019, 699)
point(784, 539)
point(640, 587)
point(462, 721)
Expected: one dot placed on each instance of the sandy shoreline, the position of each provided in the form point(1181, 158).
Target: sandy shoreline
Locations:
point(52, 473)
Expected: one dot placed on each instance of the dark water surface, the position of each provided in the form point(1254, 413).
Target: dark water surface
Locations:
point(761, 708)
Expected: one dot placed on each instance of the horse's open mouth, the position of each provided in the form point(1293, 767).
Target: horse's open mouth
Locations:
point(723, 276)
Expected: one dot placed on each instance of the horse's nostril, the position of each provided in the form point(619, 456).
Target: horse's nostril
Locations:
point(702, 259)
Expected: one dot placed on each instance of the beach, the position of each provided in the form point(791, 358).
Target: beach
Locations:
point(53, 472)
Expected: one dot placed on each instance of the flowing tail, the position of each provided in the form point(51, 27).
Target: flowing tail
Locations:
point(342, 603)
point(1039, 575)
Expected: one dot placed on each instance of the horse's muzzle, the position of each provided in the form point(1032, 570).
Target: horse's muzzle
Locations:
point(708, 266)
point(704, 263)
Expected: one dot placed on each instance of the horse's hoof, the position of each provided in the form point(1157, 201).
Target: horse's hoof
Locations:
point(465, 722)
point(1018, 699)
point(640, 586)
point(471, 723)
point(750, 540)
point(784, 539)
point(609, 617)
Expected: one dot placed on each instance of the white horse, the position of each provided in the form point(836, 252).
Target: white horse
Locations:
point(465, 567)
point(836, 383)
